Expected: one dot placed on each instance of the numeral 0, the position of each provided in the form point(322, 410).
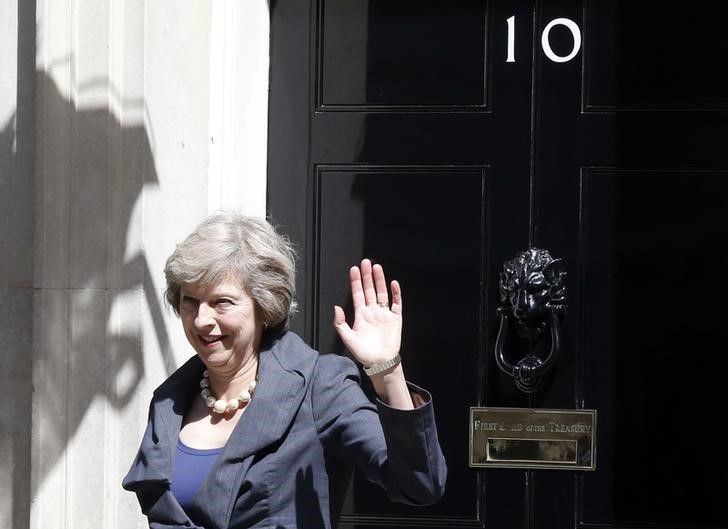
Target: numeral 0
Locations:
point(545, 45)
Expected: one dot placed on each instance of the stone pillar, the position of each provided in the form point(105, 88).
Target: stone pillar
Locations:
point(239, 71)
point(123, 165)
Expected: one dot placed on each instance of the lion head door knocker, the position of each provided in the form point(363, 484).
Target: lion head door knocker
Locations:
point(532, 299)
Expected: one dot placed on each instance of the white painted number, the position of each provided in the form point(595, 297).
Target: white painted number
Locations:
point(545, 44)
point(575, 33)
point(511, 37)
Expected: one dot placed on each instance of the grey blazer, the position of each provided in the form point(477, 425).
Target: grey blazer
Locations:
point(290, 457)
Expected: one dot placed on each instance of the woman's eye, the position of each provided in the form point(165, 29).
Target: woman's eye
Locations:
point(223, 302)
point(189, 303)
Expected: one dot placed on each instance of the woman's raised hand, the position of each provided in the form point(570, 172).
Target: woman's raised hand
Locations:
point(377, 331)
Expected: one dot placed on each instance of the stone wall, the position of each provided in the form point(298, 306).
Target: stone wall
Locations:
point(115, 142)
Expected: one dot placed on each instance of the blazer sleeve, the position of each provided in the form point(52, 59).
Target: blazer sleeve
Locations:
point(398, 449)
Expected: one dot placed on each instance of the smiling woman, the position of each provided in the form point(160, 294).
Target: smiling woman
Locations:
point(222, 323)
point(246, 250)
point(232, 431)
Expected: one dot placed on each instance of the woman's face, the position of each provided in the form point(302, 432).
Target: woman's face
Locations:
point(221, 322)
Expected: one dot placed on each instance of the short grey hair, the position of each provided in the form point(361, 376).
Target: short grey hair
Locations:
point(229, 245)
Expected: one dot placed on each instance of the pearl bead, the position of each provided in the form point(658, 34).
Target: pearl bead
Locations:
point(220, 405)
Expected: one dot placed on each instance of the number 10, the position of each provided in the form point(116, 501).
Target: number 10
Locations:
point(545, 45)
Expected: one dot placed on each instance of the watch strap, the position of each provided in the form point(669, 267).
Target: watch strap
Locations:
point(382, 366)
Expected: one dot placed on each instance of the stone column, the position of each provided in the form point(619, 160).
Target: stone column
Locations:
point(122, 172)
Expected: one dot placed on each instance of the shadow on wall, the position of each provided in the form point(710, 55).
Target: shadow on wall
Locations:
point(88, 346)
point(16, 316)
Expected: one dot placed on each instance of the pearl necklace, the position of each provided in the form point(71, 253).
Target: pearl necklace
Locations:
point(221, 405)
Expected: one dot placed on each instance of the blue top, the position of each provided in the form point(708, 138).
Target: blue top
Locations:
point(191, 467)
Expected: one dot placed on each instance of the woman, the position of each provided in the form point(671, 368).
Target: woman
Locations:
point(259, 430)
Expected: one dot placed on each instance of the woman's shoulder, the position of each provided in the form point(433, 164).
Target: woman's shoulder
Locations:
point(191, 369)
point(332, 364)
point(294, 354)
point(290, 350)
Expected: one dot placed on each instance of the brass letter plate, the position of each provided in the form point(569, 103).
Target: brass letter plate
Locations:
point(533, 438)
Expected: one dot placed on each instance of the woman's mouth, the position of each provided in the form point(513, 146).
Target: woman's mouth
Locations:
point(210, 340)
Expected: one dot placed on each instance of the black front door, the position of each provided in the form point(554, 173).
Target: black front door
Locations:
point(440, 139)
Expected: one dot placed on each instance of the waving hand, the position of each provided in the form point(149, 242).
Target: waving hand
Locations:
point(376, 333)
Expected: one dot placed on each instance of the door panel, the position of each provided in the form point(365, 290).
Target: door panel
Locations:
point(643, 57)
point(399, 131)
point(436, 233)
point(375, 54)
point(631, 191)
point(366, 161)
point(643, 339)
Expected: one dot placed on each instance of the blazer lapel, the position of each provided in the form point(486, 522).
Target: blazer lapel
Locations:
point(170, 416)
point(277, 398)
point(153, 463)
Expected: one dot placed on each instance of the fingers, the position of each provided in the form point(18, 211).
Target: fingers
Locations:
point(380, 286)
point(369, 287)
point(339, 317)
point(342, 328)
point(357, 292)
point(396, 297)
point(367, 281)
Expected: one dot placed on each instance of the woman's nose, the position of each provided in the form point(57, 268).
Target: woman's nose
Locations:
point(204, 316)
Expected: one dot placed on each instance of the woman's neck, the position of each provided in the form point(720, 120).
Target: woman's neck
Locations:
point(229, 381)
